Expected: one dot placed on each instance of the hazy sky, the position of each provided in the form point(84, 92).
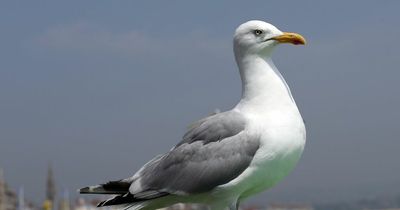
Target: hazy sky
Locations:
point(97, 88)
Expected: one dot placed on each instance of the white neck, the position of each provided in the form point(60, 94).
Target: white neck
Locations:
point(263, 87)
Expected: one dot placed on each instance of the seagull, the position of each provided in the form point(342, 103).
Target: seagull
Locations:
point(229, 156)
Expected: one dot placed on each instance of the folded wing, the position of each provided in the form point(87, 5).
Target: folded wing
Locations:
point(214, 151)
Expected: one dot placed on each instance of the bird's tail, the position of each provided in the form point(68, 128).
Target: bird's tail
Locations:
point(128, 198)
point(131, 206)
point(119, 200)
point(123, 198)
point(112, 187)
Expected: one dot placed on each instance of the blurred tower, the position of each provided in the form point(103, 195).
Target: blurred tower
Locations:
point(51, 187)
point(3, 198)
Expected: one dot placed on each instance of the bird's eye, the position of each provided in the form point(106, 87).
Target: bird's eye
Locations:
point(258, 32)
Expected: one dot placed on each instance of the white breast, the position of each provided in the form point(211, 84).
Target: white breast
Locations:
point(281, 144)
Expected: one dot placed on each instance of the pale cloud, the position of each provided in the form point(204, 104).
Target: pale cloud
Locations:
point(83, 37)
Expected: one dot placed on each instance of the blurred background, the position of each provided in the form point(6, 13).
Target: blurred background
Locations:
point(91, 90)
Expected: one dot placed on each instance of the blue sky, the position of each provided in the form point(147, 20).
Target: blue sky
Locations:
point(97, 88)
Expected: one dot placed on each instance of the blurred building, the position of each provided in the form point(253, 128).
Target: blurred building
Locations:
point(64, 203)
point(183, 206)
point(8, 198)
point(81, 204)
point(290, 207)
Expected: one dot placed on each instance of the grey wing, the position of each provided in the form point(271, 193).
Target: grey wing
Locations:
point(214, 151)
point(215, 127)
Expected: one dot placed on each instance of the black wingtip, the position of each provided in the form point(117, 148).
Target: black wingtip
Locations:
point(84, 190)
point(117, 200)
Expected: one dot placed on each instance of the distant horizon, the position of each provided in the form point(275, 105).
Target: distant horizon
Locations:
point(74, 196)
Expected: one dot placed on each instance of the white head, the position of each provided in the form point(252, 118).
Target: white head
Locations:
point(259, 38)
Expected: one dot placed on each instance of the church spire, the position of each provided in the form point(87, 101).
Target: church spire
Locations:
point(50, 185)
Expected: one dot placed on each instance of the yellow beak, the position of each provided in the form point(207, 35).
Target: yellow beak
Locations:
point(293, 38)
